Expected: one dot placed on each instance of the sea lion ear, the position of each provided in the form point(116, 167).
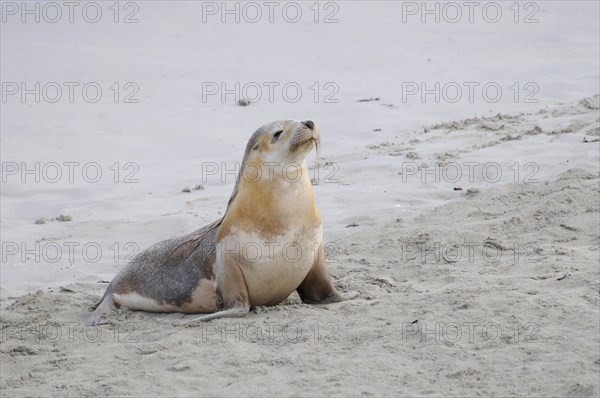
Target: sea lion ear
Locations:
point(255, 147)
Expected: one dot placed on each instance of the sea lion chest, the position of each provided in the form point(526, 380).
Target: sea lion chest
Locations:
point(273, 267)
point(273, 235)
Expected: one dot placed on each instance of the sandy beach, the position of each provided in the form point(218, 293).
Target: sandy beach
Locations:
point(469, 226)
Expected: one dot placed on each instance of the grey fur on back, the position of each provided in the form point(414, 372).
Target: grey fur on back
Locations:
point(171, 269)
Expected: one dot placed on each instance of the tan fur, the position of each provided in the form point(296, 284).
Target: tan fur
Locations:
point(259, 207)
point(204, 298)
point(197, 273)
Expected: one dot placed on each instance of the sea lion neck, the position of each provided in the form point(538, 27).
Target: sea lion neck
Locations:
point(274, 204)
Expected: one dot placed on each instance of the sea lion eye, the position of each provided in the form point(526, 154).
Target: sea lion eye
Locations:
point(276, 136)
point(255, 147)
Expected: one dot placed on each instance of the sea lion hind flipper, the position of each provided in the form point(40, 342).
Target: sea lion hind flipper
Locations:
point(108, 303)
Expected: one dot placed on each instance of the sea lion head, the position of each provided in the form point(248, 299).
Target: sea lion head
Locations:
point(282, 142)
point(274, 166)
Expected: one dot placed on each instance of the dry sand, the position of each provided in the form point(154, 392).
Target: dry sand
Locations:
point(494, 293)
point(477, 286)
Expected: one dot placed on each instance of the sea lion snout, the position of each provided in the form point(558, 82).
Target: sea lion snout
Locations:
point(309, 123)
point(305, 135)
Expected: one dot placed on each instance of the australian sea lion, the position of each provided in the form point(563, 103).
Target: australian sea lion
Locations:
point(268, 244)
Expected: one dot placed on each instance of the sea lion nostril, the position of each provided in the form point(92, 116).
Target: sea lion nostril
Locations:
point(309, 124)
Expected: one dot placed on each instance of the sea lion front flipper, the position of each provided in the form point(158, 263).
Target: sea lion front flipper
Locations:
point(231, 287)
point(238, 312)
point(317, 287)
